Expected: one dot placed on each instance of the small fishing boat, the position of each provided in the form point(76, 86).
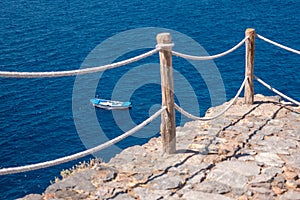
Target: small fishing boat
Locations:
point(109, 104)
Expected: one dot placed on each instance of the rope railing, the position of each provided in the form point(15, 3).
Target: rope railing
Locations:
point(13, 170)
point(165, 58)
point(276, 91)
point(9, 74)
point(185, 113)
point(277, 44)
point(210, 57)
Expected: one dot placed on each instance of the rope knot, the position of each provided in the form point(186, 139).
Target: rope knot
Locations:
point(164, 46)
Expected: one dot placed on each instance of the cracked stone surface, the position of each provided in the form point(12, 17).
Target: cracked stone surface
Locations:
point(251, 152)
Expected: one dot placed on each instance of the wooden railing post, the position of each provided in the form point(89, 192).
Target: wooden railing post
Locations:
point(250, 48)
point(167, 128)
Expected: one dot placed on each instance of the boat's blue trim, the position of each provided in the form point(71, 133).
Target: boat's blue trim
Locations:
point(109, 104)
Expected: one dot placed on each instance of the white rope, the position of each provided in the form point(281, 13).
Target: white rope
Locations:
point(210, 57)
point(52, 74)
point(276, 91)
point(162, 46)
point(216, 116)
point(278, 45)
point(13, 170)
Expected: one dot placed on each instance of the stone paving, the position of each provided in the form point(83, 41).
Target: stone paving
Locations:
point(252, 152)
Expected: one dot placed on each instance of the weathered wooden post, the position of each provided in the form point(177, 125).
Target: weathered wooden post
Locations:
point(167, 127)
point(250, 47)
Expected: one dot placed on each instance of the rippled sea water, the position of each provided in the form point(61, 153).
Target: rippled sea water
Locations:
point(36, 115)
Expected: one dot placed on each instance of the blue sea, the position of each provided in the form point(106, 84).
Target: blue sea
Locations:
point(43, 119)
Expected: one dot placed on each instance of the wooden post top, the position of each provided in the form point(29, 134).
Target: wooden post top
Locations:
point(250, 30)
point(164, 38)
point(164, 41)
